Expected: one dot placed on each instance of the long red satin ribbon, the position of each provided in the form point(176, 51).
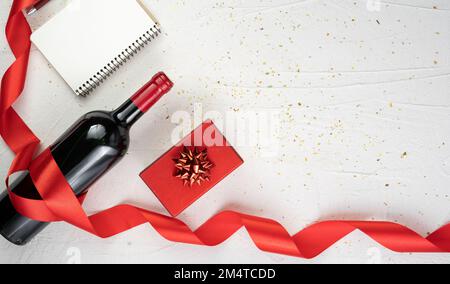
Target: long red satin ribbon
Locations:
point(60, 204)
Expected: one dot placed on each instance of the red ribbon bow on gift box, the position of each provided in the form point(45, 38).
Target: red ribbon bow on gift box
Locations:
point(60, 204)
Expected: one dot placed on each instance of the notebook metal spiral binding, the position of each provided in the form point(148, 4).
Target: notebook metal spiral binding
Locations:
point(111, 67)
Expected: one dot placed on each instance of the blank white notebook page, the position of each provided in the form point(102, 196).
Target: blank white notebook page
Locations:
point(87, 34)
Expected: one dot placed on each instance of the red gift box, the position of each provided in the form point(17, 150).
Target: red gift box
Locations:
point(171, 191)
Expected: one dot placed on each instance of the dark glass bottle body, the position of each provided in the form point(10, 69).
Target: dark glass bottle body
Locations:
point(95, 143)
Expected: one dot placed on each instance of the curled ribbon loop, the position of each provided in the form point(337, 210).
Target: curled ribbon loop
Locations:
point(60, 204)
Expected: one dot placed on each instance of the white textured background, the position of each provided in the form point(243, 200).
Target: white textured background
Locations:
point(365, 101)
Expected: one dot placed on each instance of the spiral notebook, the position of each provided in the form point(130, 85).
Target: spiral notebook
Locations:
point(90, 39)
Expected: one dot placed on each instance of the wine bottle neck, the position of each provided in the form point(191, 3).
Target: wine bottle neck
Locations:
point(127, 114)
point(134, 108)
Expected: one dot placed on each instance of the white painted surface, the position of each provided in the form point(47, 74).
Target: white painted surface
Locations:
point(365, 109)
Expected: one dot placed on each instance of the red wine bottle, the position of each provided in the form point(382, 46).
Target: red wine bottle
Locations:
point(95, 143)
